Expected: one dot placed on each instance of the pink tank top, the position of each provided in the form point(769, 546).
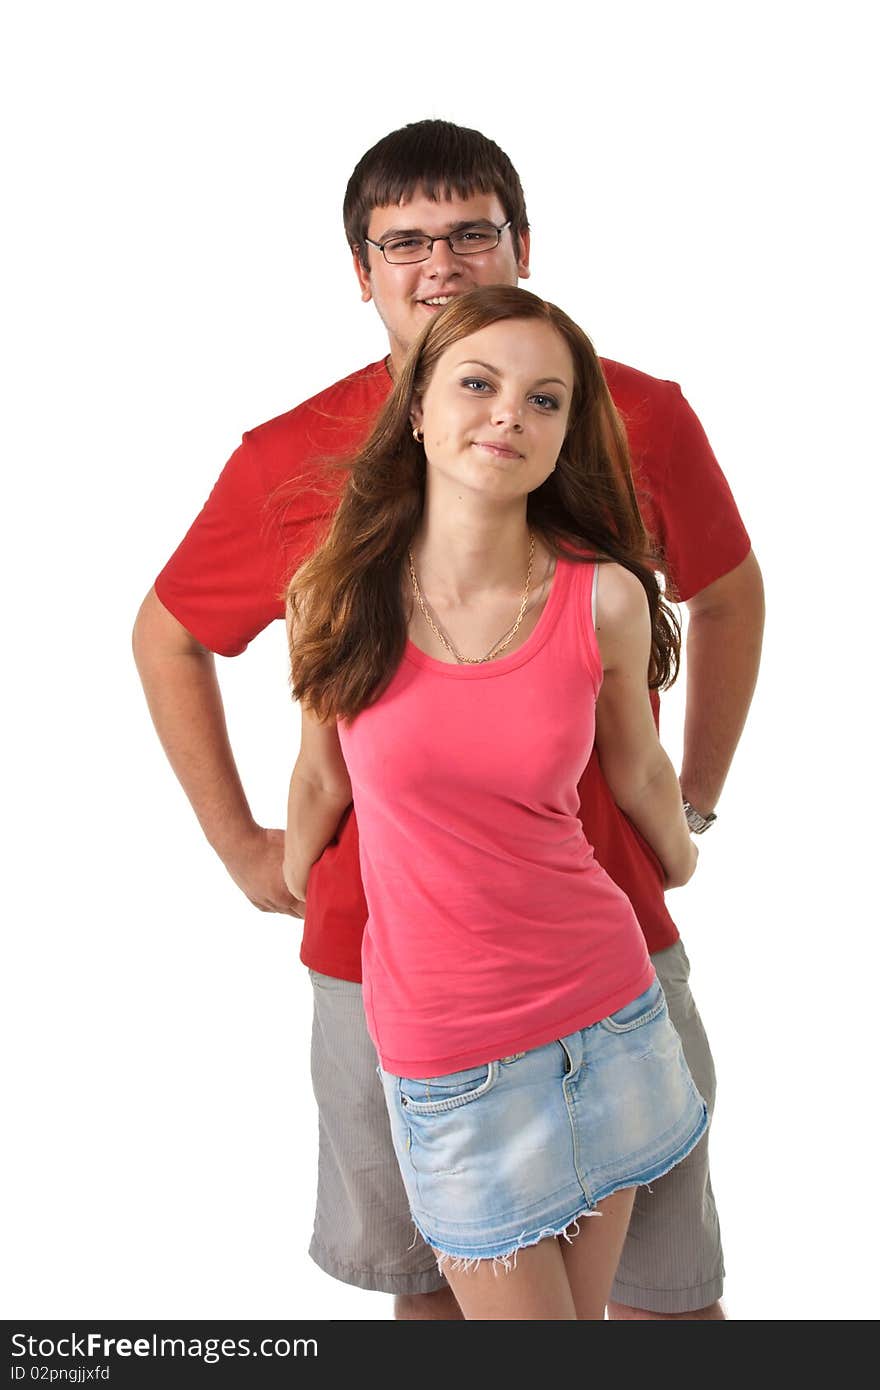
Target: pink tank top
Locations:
point(491, 929)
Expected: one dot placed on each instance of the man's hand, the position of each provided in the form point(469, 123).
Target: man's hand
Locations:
point(255, 865)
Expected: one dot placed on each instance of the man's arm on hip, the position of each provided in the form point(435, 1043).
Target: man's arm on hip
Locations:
point(179, 678)
point(725, 630)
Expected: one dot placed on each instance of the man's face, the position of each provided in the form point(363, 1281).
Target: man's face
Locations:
point(405, 295)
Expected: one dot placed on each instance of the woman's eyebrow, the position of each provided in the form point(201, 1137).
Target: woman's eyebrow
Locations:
point(475, 362)
point(487, 366)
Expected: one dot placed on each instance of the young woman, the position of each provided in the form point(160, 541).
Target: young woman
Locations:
point(483, 607)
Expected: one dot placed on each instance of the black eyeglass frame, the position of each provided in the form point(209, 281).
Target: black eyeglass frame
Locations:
point(380, 246)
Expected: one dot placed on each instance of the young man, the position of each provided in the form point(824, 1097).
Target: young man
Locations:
point(432, 211)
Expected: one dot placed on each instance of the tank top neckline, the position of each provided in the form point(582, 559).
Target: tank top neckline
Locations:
point(530, 647)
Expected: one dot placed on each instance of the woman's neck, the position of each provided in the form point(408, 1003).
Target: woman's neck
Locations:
point(471, 551)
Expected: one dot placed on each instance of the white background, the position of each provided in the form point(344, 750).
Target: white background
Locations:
point(697, 179)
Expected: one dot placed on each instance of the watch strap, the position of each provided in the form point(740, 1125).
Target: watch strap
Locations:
point(697, 822)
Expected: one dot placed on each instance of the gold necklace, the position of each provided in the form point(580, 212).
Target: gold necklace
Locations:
point(497, 647)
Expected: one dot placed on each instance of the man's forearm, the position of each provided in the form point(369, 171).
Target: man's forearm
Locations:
point(184, 700)
point(723, 655)
point(180, 683)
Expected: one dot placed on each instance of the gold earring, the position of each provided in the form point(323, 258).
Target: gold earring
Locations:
point(417, 434)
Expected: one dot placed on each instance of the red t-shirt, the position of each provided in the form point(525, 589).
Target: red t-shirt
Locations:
point(225, 580)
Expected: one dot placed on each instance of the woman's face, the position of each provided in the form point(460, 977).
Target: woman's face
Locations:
point(494, 413)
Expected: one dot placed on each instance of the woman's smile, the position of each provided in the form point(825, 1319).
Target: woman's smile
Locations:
point(499, 450)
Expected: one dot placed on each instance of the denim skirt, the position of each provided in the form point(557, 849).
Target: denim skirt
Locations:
point(499, 1156)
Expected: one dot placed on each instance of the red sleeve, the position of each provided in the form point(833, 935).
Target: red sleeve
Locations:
point(221, 582)
point(268, 509)
point(701, 530)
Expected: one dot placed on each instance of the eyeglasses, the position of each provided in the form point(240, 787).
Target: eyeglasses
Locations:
point(407, 250)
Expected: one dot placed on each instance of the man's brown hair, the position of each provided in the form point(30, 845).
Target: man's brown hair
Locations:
point(439, 159)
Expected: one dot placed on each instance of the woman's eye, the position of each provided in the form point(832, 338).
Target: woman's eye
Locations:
point(473, 383)
point(546, 402)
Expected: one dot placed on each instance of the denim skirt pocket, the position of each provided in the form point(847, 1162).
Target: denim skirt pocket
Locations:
point(435, 1094)
point(644, 1009)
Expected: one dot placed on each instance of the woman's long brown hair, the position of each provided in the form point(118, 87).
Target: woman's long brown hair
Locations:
point(348, 616)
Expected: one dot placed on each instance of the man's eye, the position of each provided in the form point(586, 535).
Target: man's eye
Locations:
point(546, 402)
point(404, 244)
point(475, 236)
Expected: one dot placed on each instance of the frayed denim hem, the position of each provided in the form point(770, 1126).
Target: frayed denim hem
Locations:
point(456, 1260)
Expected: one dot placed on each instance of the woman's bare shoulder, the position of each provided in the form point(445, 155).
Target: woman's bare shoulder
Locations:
point(621, 596)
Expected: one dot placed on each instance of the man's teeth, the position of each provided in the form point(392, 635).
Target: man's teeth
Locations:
point(441, 299)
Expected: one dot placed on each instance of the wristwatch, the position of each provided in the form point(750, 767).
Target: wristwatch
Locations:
point(697, 823)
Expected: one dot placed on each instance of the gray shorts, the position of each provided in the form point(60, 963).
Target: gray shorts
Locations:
point(364, 1235)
